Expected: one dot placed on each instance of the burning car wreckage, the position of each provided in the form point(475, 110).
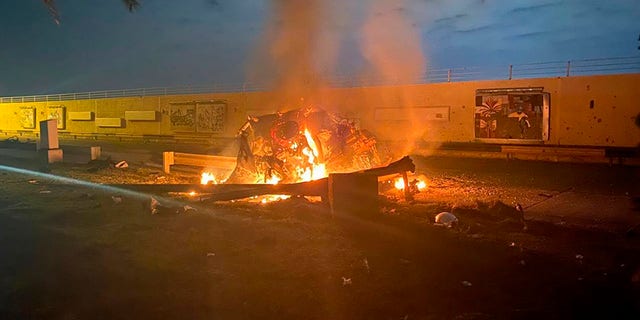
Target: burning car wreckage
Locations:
point(302, 145)
point(294, 152)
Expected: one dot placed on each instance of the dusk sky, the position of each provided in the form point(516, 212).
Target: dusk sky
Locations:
point(99, 45)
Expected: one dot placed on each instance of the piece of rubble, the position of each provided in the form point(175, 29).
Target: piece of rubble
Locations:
point(122, 164)
point(346, 281)
point(33, 181)
point(45, 191)
point(153, 206)
point(466, 283)
point(116, 199)
point(446, 219)
point(211, 254)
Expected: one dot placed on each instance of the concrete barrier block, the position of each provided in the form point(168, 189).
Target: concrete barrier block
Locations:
point(51, 155)
point(81, 116)
point(109, 122)
point(140, 115)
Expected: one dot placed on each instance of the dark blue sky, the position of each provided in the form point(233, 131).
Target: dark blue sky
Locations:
point(100, 45)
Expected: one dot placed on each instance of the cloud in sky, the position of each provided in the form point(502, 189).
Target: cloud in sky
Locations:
point(99, 45)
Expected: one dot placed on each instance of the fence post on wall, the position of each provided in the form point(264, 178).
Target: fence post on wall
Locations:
point(568, 68)
point(449, 75)
point(510, 71)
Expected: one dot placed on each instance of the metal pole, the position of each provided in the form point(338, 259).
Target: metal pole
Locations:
point(510, 71)
point(449, 75)
point(568, 68)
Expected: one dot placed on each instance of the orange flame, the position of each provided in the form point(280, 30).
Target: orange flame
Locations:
point(399, 184)
point(315, 170)
point(208, 177)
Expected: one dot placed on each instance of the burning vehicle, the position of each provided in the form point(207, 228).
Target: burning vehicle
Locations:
point(302, 145)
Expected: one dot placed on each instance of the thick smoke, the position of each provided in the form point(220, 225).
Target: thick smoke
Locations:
point(391, 42)
point(305, 41)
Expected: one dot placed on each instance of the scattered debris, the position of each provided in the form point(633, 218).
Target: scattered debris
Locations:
point(346, 281)
point(466, 283)
point(446, 219)
point(116, 199)
point(33, 181)
point(187, 208)
point(211, 254)
point(154, 205)
point(122, 164)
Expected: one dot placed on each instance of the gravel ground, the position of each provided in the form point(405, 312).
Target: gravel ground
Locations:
point(73, 251)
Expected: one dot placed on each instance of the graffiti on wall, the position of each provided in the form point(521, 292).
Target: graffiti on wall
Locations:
point(27, 117)
point(210, 117)
point(205, 117)
point(58, 113)
point(183, 117)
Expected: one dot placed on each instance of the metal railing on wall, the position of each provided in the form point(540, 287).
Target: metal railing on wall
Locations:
point(601, 66)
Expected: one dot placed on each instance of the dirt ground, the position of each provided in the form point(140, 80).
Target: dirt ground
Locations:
point(83, 251)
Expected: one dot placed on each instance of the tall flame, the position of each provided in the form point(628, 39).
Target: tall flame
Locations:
point(316, 170)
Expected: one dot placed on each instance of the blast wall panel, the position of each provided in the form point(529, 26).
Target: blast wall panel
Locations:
point(590, 110)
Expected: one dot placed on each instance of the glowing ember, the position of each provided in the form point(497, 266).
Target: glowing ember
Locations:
point(272, 198)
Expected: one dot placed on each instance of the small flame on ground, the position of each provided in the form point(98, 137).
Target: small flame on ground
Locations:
point(208, 177)
point(192, 193)
point(399, 184)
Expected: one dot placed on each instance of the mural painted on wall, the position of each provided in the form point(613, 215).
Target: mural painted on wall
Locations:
point(57, 113)
point(183, 117)
point(27, 117)
point(509, 116)
point(210, 117)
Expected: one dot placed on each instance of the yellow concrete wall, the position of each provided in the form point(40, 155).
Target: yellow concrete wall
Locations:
point(611, 122)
